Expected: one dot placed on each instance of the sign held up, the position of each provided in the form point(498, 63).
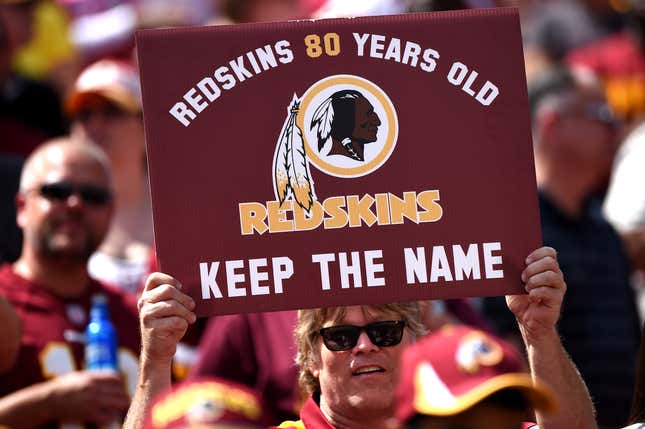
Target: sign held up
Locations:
point(342, 161)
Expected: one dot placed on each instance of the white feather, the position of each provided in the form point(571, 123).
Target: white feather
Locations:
point(281, 161)
point(298, 169)
point(323, 118)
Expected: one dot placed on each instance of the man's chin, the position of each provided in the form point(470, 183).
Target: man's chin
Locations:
point(69, 252)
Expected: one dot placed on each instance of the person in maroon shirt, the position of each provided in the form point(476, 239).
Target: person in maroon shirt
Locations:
point(64, 209)
point(257, 350)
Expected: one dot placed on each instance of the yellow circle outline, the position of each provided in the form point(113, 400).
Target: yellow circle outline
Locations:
point(390, 139)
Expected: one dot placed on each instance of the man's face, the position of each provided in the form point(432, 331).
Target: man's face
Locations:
point(366, 121)
point(360, 380)
point(590, 131)
point(119, 133)
point(72, 228)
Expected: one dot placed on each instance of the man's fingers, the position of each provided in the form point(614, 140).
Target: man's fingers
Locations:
point(541, 253)
point(547, 263)
point(163, 309)
point(165, 292)
point(549, 279)
point(155, 280)
point(172, 324)
point(546, 296)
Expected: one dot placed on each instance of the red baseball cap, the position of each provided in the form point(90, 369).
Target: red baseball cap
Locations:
point(203, 403)
point(457, 367)
point(115, 80)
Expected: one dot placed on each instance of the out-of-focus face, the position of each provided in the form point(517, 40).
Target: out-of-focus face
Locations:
point(481, 416)
point(592, 133)
point(72, 228)
point(119, 133)
point(366, 121)
point(361, 380)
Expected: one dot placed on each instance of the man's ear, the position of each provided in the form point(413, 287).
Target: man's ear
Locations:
point(20, 209)
point(313, 365)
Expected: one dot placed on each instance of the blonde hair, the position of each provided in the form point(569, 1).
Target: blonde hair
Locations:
point(311, 321)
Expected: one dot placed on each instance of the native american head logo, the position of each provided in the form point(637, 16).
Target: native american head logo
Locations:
point(345, 122)
point(344, 125)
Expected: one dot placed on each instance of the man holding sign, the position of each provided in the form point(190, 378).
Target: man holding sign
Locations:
point(391, 163)
point(352, 374)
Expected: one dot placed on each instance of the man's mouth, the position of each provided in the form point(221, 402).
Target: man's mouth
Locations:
point(368, 370)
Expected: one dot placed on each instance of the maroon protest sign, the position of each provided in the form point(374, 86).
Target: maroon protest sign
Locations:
point(343, 161)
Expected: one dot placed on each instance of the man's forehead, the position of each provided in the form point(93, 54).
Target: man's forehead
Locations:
point(369, 312)
point(60, 163)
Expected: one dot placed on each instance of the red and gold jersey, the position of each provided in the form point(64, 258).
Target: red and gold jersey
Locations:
point(310, 418)
point(53, 331)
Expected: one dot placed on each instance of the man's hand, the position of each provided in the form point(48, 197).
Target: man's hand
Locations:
point(85, 396)
point(539, 311)
point(164, 316)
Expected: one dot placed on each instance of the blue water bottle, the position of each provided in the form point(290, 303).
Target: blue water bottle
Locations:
point(101, 342)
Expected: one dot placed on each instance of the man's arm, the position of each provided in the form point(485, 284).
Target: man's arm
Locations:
point(164, 316)
point(11, 333)
point(81, 396)
point(537, 314)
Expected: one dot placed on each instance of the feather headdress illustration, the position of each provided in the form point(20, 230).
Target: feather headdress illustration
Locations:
point(323, 119)
point(291, 176)
point(344, 123)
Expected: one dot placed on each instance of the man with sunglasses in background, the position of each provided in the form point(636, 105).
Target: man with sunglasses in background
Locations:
point(575, 139)
point(64, 204)
point(349, 356)
point(105, 107)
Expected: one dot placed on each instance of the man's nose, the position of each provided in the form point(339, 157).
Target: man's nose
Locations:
point(74, 201)
point(364, 344)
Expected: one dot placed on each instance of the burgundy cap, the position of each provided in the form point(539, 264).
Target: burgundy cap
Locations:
point(453, 369)
point(206, 403)
point(114, 80)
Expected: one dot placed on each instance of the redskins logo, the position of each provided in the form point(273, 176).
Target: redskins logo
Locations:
point(344, 125)
point(476, 350)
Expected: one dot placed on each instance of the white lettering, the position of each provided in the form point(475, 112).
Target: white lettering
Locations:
point(371, 268)
point(440, 266)
point(490, 260)
point(324, 259)
point(232, 278)
point(415, 265)
point(208, 280)
point(466, 264)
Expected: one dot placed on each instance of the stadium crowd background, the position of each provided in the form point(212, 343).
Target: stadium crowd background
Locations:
point(68, 68)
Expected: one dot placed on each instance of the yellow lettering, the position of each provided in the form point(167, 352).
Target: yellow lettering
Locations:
point(278, 221)
point(406, 207)
point(337, 216)
point(360, 210)
point(382, 209)
point(307, 223)
point(429, 201)
point(252, 217)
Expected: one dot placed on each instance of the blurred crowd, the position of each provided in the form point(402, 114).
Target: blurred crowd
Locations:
point(76, 219)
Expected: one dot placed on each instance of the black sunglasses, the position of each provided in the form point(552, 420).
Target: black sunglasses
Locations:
point(90, 194)
point(344, 337)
